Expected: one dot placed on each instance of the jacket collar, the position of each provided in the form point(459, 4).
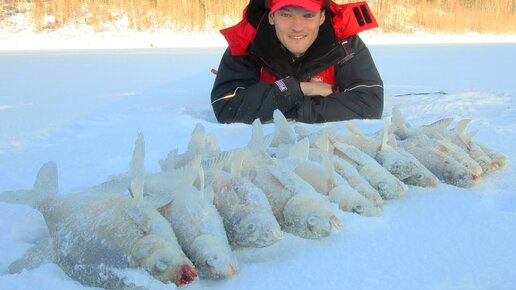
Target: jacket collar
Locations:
point(325, 52)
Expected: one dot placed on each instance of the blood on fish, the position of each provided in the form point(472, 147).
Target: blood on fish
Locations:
point(187, 275)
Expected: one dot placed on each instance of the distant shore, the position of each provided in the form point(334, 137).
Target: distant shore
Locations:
point(84, 39)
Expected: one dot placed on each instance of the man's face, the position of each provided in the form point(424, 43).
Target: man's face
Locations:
point(296, 28)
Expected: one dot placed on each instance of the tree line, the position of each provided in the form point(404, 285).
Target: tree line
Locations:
point(454, 16)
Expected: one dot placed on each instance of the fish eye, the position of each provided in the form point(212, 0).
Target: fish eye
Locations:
point(312, 220)
point(212, 261)
point(358, 209)
point(419, 176)
point(251, 228)
point(161, 266)
point(462, 175)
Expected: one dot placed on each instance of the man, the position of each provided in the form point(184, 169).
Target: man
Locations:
point(303, 57)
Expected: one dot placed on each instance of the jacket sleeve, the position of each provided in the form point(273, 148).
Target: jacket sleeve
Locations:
point(239, 96)
point(359, 92)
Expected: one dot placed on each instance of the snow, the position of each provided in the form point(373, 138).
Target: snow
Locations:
point(83, 108)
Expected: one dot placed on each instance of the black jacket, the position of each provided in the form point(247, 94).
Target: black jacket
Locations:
point(239, 96)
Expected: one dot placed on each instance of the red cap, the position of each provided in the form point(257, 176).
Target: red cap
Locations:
point(310, 5)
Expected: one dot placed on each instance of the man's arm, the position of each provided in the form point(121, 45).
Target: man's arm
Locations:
point(359, 95)
point(239, 96)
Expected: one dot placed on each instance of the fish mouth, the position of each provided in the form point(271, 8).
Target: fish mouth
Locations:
point(185, 275)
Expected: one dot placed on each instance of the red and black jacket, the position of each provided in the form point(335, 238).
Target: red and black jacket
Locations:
point(257, 75)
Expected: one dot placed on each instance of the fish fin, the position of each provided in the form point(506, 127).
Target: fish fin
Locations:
point(330, 170)
point(159, 201)
point(399, 123)
point(40, 253)
point(136, 169)
point(170, 162)
point(112, 186)
point(284, 132)
point(236, 165)
point(218, 161)
point(471, 134)
point(302, 132)
point(188, 173)
point(323, 141)
point(354, 130)
point(392, 141)
point(385, 134)
point(300, 149)
point(45, 184)
point(258, 140)
point(197, 143)
point(46, 180)
point(461, 126)
point(138, 216)
point(348, 151)
point(212, 147)
point(439, 125)
point(136, 165)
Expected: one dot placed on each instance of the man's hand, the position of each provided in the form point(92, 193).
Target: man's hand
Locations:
point(316, 89)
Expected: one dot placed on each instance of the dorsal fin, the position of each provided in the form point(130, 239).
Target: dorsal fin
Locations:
point(46, 181)
point(284, 132)
point(354, 130)
point(322, 140)
point(136, 165)
point(440, 125)
point(236, 165)
point(197, 141)
point(385, 134)
point(258, 140)
point(302, 132)
point(329, 168)
point(136, 169)
point(300, 149)
point(212, 145)
point(169, 163)
point(219, 161)
point(349, 151)
point(461, 126)
point(399, 124)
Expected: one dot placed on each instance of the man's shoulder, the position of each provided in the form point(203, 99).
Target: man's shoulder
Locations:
point(351, 18)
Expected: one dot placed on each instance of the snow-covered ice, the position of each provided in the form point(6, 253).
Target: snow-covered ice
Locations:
point(84, 108)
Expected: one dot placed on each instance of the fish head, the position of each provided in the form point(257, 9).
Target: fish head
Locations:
point(460, 176)
point(213, 257)
point(391, 188)
point(351, 201)
point(309, 217)
point(163, 259)
point(421, 178)
point(257, 229)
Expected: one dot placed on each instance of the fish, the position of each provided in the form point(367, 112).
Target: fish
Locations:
point(298, 208)
point(94, 236)
point(322, 177)
point(439, 130)
point(245, 210)
point(501, 159)
point(195, 219)
point(441, 165)
point(319, 145)
point(380, 178)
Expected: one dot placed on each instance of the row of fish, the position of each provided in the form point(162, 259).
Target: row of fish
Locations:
point(185, 220)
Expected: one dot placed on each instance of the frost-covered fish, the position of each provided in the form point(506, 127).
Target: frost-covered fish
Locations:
point(322, 177)
point(197, 223)
point(443, 166)
point(96, 236)
point(382, 180)
point(496, 156)
point(439, 130)
point(298, 208)
point(245, 210)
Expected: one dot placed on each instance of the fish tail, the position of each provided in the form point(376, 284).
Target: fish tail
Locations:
point(45, 184)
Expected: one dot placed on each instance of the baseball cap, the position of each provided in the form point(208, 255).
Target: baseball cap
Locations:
point(310, 5)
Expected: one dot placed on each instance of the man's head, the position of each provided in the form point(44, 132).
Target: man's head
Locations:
point(296, 23)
